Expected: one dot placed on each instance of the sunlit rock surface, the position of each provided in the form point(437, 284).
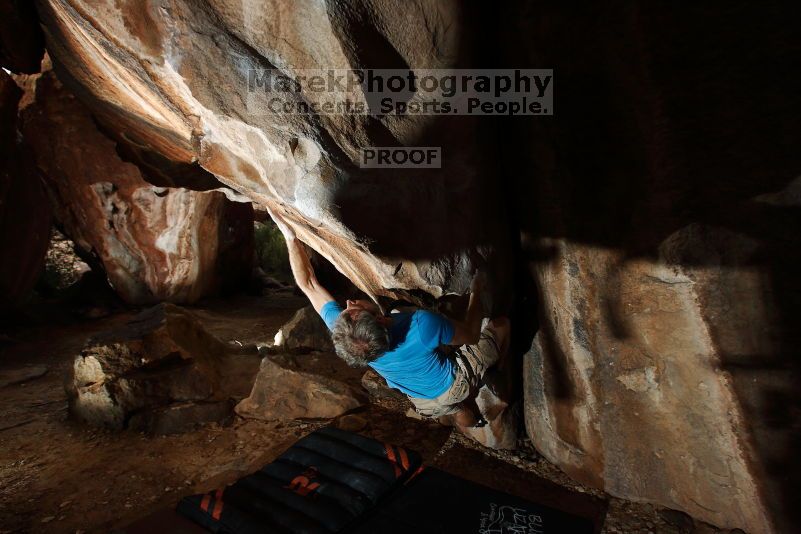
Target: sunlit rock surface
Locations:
point(172, 84)
point(149, 374)
point(305, 332)
point(289, 388)
point(655, 209)
point(628, 394)
point(654, 219)
point(154, 243)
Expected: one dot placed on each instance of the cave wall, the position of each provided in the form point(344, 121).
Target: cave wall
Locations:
point(655, 217)
point(153, 243)
point(172, 83)
point(25, 214)
point(653, 208)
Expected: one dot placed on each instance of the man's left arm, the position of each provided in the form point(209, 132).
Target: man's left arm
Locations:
point(302, 269)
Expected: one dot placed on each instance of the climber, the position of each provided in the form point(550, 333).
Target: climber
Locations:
point(404, 347)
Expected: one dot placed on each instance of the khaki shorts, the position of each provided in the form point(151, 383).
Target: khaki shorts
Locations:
point(470, 364)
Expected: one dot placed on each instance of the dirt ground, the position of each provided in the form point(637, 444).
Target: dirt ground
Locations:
point(57, 475)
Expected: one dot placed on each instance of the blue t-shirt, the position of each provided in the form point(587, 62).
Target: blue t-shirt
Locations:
point(412, 364)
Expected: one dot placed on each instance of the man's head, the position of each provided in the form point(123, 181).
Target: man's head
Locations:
point(360, 333)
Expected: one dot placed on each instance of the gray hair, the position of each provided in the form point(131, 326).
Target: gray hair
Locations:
point(359, 340)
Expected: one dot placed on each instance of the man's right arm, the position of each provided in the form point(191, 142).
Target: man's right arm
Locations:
point(468, 331)
point(302, 269)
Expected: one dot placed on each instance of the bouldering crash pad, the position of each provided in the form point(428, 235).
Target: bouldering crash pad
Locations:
point(338, 481)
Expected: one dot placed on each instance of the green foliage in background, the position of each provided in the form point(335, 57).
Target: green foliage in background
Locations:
point(271, 251)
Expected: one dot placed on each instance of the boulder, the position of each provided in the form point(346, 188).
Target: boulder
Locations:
point(645, 414)
point(352, 423)
point(150, 373)
point(63, 266)
point(188, 108)
point(655, 234)
point(653, 210)
point(287, 388)
point(153, 243)
point(178, 418)
point(305, 331)
point(377, 387)
point(25, 214)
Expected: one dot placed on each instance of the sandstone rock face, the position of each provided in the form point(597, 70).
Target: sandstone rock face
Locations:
point(185, 97)
point(377, 387)
point(154, 243)
point(646, 415)
point(140, 375)
point(654, 209)
point(284, 390)
point(25, 214)
point(305, 332)
point(656, 235)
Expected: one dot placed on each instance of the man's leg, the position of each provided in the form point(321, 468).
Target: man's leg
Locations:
point(449, 404)
point(502, 332)
point(490, 351)
point(465, 417)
